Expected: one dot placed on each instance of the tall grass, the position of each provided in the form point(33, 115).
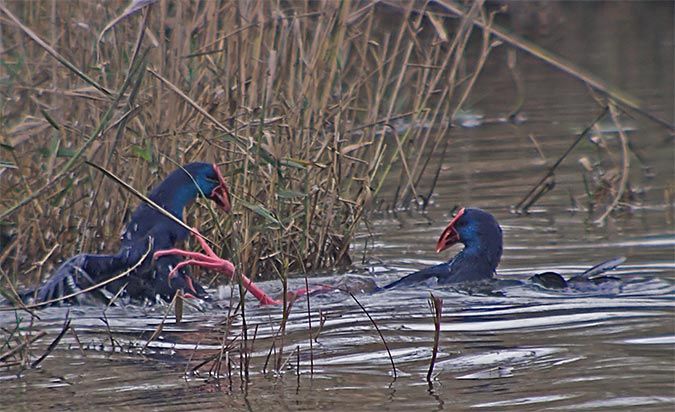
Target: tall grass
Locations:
point(307, 107)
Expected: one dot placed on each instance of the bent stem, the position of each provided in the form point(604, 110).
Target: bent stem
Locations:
point(436, 306)
point(379, 332)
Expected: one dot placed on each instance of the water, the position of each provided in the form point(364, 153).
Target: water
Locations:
point(524, 351)
point(521, 350)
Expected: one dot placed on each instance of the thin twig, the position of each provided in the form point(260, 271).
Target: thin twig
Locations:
point(544, 183)
point(52, 346)
point(200, 109)
point(160, 326)
point(384, 341)
point(30, 33)
point(25, 344)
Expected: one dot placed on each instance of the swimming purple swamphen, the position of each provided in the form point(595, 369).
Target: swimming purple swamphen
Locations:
point(481, 235)
point(482, 238)
point(148, 230)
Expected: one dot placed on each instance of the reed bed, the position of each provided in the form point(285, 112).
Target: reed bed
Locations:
point(308, 108)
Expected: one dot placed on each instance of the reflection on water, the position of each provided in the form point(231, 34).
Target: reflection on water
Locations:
point(522, 349)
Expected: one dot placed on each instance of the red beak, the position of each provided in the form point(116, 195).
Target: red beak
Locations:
point(220, 194)
point(449, 236)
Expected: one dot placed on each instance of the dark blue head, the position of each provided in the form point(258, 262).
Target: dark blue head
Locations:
point(478, 231)
point(185, 184)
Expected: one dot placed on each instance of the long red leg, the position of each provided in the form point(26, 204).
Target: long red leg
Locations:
point(212, 261)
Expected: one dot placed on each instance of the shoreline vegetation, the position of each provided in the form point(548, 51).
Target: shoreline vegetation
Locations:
point(297, 106)
point(308, 108)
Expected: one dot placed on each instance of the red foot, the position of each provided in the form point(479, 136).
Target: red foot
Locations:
point(212, 261)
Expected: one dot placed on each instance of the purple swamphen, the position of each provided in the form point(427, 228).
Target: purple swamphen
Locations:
point(481, 236)
point(148, 230)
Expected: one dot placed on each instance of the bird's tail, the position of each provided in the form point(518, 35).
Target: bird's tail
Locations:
point(601, 268)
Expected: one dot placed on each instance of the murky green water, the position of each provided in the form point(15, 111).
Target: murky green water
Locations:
point(524, 350)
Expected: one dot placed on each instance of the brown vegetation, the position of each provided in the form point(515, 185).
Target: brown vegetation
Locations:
point(306, 107)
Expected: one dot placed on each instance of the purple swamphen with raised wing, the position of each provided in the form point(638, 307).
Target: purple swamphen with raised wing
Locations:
point(148, 231)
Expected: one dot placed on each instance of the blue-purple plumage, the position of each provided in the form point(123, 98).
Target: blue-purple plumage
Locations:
point(148, 231)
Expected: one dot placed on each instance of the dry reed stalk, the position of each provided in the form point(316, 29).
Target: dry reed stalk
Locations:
point(177, 305)
point(20, 349)
point(625, 166)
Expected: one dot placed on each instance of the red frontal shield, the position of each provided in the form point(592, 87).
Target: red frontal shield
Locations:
point(449, 236)
point(220, 194)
